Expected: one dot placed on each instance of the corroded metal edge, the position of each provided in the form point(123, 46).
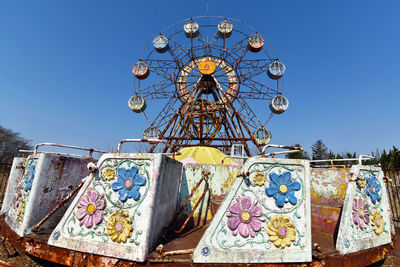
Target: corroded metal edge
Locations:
point(38, 247)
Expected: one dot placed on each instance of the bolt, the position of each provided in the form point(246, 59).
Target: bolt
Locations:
point(91, 167)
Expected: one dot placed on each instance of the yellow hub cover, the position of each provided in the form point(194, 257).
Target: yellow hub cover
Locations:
point(207, 67)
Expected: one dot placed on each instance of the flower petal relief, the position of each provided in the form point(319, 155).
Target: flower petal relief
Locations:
point(119, 226)
point(128, 183)
point(360, 213)
point(244, 217)
point(282, 188)
point(91, 209)
point(29, 175)
point(281, 231)
point(21, 208)
point(372, 189)
point(109, 174)
point(377, 222)
point(361, 182)
point(259, 179)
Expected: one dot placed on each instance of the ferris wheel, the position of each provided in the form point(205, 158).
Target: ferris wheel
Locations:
point(204, 74)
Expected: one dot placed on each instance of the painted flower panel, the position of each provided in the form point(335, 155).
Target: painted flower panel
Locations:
point(281, 231)
point(360, 213)
point(21, 209)
point(244, 217)
point(29, 177)
point(128, 183)
point(361, 183)
point(282, 188)
point(377, 222)
point(373, 189)
point(119, 226)
point(91, 209)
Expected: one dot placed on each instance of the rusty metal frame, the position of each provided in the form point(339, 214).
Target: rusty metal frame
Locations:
point(204, 178)
point(392, 178)
point(141, 140)
point(38, 247)
point(59, 205)
point(292, 149)
point(91, 150)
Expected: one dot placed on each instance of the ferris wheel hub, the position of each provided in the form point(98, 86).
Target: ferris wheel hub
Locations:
point(207, 67)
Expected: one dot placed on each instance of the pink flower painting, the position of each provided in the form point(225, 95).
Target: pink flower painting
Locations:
point(360, 213)
point(91, 209)
point(244, 217)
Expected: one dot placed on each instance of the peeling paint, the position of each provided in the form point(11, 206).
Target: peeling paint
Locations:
point(55, 177)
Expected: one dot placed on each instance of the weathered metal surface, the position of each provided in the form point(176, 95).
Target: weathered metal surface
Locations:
point(365, 220)
point(328, 190)
point(328, 185)
point(59, 205)
point(43, 183)
point(37, 246)
point(205, 176)
point(16, 173)
point(123, 207)
point(220, 180)
point(325, 218)
point(393, 188)
point(265, 218)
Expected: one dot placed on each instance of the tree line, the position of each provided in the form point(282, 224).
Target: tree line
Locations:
point(387, 159)
point(11, 142)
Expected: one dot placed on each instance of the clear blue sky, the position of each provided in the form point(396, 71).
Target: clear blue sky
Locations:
point(65, 67)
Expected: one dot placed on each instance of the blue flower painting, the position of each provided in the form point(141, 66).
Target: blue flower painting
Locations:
point(372, 189)
point(128, 183)
point(29, 177)
point(282, 188)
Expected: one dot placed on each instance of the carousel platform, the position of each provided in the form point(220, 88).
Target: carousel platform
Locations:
point(33, 250)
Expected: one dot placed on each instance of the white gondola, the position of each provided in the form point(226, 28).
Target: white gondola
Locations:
point(137, 103)
point(151, 133)
point(225, 28)
point(160, 43)
point(256, 42)
point(191, 29)
point(279, 104)
point(140, 70)
point(276, 70)
point(262, 136)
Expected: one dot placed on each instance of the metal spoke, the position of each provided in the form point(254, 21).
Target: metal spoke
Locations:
point(247, 114)
point(162, 90)
point(163, 68)
point(251, 68)
point(254, 90)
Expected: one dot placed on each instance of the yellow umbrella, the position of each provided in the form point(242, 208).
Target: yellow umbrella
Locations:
point(203, 155)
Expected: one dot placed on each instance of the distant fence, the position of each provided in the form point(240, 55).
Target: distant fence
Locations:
point(4, 172)
point(393, 189)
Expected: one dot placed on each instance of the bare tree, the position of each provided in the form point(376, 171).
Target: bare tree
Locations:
point(10, 144)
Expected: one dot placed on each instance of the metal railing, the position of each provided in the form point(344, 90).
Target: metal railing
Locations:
point(393, 188)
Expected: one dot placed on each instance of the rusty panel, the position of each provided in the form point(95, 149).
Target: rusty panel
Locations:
point(329, 185)
point(37, 246)
point(325, 218)
point(220, 181)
